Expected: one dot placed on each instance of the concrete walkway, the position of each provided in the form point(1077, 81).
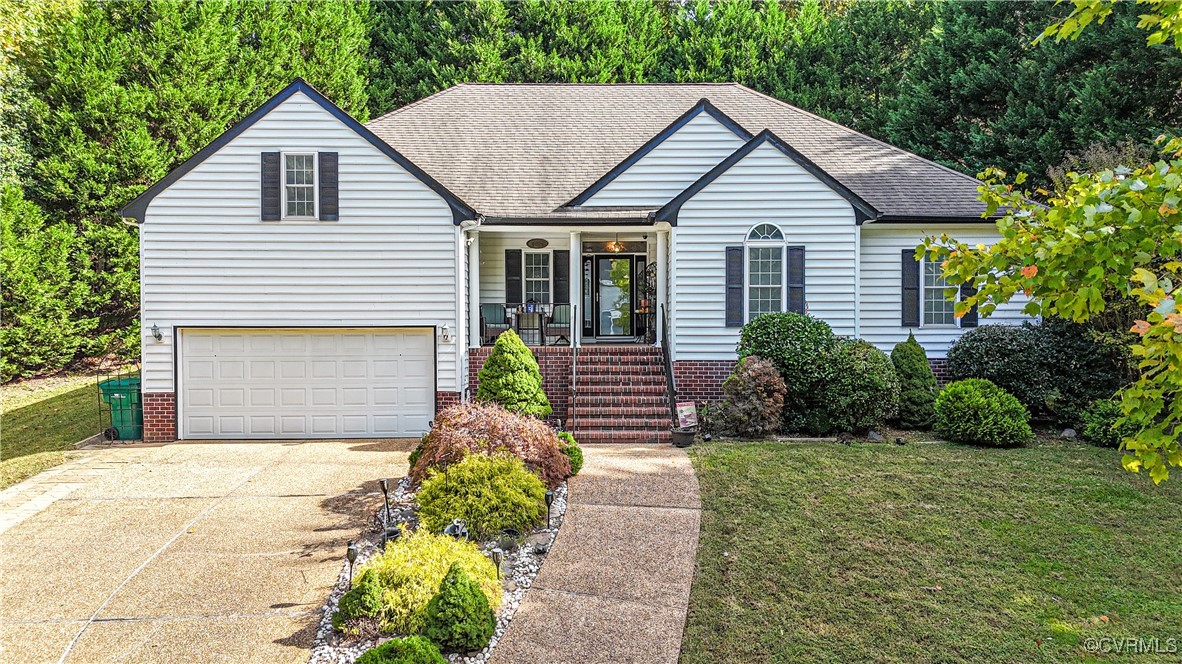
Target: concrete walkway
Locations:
point(220, 552)
point(615, 588)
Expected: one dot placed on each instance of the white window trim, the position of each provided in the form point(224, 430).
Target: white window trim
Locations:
point(748, 244)
point(923, 288)
point(315, 186)
point(549, 253)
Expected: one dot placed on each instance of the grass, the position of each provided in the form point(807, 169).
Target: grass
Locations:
point(41, 419)
point(929, 552)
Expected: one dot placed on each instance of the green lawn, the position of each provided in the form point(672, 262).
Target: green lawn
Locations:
point(929, 552)
point(42, 418)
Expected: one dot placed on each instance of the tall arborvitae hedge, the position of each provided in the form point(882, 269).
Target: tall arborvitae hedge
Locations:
point(917, 385)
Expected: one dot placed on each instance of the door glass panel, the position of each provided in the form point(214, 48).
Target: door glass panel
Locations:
point(615, 296)
point(588, 297)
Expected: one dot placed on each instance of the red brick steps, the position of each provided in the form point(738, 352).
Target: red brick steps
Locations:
point(620, 396)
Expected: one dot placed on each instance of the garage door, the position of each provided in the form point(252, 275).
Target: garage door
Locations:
point(303, 383)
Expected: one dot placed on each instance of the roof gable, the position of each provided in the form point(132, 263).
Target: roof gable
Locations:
point(703, 106)
point(138, 207)
point(863, 211)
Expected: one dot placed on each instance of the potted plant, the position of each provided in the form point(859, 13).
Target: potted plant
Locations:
point(683, 436)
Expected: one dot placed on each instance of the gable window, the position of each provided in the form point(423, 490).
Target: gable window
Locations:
point(299, 185)
point(765, 270)
point(937, 308)
point(537, 277)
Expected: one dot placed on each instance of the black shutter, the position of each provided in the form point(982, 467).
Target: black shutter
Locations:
point(329, 187)
point(910, 289)
point(270, 181)
point(734, 286)
point(512, 276)
point(561, 276)
point(796, 279)
point(970, 318)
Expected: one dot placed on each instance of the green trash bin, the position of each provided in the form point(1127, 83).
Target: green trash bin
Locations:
point(122, 396)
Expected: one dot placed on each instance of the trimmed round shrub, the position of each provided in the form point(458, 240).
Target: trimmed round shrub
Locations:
point(863, 391)
point(394, 587)
point(917, 385)
point(1055, 368)
point(490, 493)
point(570, 447)
point(977, 412)
point(511, 377)
point(1100, 424)
point(459, 618)
point(800, 347)
point(487, 429)
point(407, 650)
point(753, 399)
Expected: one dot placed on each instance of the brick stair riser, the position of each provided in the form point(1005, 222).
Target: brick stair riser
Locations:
point(615, 389)
point(614, 399)
point(582, 413)
point(619, 437)
point(610, 423)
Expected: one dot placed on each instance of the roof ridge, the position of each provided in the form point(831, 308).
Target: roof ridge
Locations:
point(415, 103)
point(858, 133)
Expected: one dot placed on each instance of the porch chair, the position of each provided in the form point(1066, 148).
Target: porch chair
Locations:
point(558, 325)
point(492, 322)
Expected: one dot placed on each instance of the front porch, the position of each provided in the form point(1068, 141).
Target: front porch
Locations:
point(567, 287)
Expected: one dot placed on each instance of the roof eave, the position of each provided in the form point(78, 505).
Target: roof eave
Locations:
point(137, 209)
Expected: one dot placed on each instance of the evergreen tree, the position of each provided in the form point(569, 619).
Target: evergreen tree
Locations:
point(511, 377)
point(917, 385)
point(459, 618)
point(978, 94)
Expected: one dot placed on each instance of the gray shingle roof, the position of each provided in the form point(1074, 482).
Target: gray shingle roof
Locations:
point(523, 151)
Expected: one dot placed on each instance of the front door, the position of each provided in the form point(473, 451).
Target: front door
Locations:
point(613, 296)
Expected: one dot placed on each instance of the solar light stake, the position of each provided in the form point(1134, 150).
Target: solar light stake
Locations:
point(549, 501)
point(385, 483)
point(351, 556)
point(498, 557)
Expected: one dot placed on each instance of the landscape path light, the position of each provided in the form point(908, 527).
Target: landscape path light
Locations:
point(351, 556)
point(498, 556)
point(549, 501)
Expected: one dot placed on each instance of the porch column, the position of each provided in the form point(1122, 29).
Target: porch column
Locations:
point(662, 278)
point(576, 287)
point(474, 289)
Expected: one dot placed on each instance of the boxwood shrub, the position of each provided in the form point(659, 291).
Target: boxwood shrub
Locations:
point(863, 390)
point(407, 650)
point(801, 348)
point(459, 618)
point(490, 493)
point(977, 412)
point(1100, 424)
point(1055, 368)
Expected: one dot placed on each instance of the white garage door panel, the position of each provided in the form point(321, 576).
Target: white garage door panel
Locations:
point(299, 383)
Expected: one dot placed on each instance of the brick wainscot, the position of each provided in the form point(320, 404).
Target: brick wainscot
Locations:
point(159, 417)
point(555, 363)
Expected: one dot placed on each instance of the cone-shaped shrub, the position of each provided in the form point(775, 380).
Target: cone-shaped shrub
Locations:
point(511, 377)
point(459, 618)
point(407, 650)
point(917, 385)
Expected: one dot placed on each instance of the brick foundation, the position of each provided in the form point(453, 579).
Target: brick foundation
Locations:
point(555, 363)
point(940, 368)
point(701, 380)
point(159, 417)
point(446, 400)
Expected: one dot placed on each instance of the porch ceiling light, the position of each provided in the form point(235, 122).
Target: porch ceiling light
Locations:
point(615, 246)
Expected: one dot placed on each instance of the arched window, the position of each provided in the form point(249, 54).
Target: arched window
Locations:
point(765, 270)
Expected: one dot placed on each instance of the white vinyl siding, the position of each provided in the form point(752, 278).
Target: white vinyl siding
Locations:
point(764, 187)
point(208, 261)
point(881, 297)
point(682, 158)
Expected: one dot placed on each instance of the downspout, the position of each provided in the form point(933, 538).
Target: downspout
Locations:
point(857, 280)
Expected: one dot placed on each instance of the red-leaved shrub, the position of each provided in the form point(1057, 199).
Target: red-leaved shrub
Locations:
point(475, 428)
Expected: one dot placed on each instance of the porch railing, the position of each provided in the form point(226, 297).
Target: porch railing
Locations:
point(538, 324)
point(670, 385)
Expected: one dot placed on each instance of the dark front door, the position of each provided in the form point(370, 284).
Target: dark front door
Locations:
point(613, 296)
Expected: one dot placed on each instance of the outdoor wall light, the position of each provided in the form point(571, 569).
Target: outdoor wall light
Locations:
point(498, 557)
point(446, 331)
point(156, 333)
point(351, 556)
point(549, 501)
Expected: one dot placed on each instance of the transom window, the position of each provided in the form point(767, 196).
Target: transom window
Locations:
point(937, 309)
point(299, 186)
point(765, 270)
point(537, 277)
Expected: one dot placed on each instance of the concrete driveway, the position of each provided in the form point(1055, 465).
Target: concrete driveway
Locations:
point(183, 552)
